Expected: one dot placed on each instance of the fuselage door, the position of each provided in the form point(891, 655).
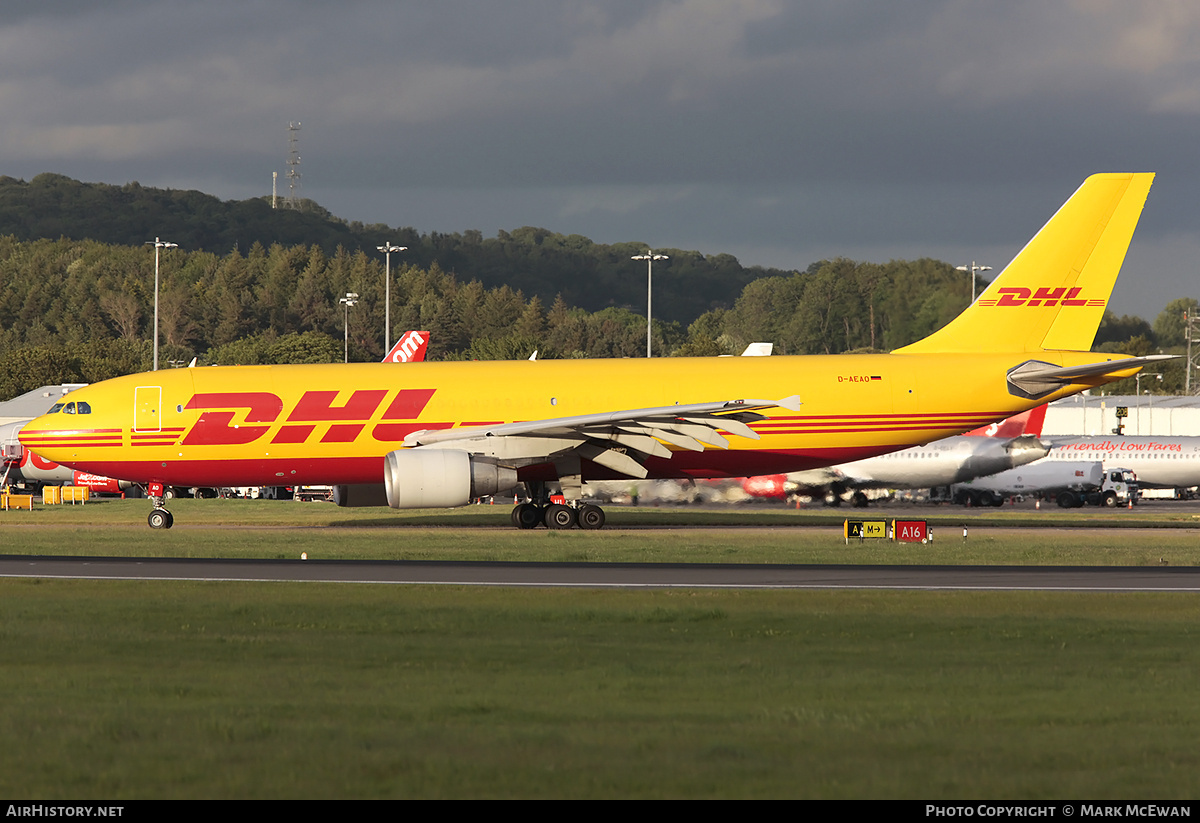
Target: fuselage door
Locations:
point(147, 406)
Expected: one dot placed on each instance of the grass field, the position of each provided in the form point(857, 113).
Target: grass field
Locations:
point(123, 689)
point(270, 529)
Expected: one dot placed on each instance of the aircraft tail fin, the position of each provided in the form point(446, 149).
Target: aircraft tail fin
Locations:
point(1053, 294)
point(410, 348)
point(1027, 422)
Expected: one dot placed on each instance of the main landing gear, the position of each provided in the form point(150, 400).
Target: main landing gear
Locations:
point(558, 516)
point(542, 511)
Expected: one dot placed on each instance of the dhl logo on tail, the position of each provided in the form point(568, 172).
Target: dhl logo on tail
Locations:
point(1023, 297)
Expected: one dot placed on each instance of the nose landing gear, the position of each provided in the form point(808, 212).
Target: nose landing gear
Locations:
point(159, 518)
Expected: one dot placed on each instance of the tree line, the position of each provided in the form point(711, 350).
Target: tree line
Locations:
point(84, 310)
point(535, 261)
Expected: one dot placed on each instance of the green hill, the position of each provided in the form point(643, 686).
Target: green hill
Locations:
point(536, 261)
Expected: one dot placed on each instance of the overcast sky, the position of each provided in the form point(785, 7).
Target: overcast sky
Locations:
point(780, 132)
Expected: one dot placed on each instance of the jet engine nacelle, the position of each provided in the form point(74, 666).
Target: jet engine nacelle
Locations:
point(770, 485)
point(441, 478)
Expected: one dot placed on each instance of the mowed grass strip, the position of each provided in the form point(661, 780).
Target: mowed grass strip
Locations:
point(264, 513)
point(285, 530)
point(120, 689)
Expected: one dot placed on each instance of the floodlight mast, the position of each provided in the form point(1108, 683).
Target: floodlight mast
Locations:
point(351, 299)
point(388, 248)
point(158, 244)
point(972, 269)
point(649, 257)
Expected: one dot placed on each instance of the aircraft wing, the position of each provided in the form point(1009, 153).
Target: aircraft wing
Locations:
point(620, 440)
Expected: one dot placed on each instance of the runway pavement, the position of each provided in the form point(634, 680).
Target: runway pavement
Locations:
point(616, 575)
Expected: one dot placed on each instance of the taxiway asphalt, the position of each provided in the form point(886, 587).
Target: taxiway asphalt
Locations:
point(615, 575)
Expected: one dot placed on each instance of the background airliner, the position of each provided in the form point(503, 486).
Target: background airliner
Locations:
point(1160, 462)
point(984, 451)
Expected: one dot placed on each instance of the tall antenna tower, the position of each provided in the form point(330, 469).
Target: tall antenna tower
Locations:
point(293, 162)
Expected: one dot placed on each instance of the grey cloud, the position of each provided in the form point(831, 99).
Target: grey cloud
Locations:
point(780, 131)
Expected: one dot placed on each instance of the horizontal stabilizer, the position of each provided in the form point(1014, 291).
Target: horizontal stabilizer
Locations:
point(1034, 378)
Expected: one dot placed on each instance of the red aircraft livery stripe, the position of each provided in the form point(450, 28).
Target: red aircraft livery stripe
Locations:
point(164, 437)
point(839, 424)
point(68, 438)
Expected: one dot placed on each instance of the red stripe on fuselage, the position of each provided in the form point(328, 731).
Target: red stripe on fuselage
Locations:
point(338, 470)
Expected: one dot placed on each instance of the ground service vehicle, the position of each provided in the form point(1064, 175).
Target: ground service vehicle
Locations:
point(1071, 484)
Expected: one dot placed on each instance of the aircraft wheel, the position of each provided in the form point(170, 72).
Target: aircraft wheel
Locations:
point(591, 517)
point(859, 500)
point(526, 516)
point(559, 516)
point(160, 519)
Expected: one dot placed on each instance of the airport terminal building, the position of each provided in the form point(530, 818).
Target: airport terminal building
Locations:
point(1091, 414)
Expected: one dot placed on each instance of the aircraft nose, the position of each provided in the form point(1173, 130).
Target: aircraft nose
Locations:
point(55, 436)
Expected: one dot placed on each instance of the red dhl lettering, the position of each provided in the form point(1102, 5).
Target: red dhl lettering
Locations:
point(216, 425)
point(213, 429)
point(1013, 297)
point(318, 406)
point(1044, 296)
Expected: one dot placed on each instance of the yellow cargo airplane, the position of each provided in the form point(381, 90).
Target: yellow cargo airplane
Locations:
point(441, 434)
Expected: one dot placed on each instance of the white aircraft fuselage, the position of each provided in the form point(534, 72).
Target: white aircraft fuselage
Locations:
point(1158, 462)
point(940, 463)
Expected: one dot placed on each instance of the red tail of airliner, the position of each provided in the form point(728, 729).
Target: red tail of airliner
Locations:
point(410, 348)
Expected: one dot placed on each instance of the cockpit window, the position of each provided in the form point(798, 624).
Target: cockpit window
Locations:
point(82, 407)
